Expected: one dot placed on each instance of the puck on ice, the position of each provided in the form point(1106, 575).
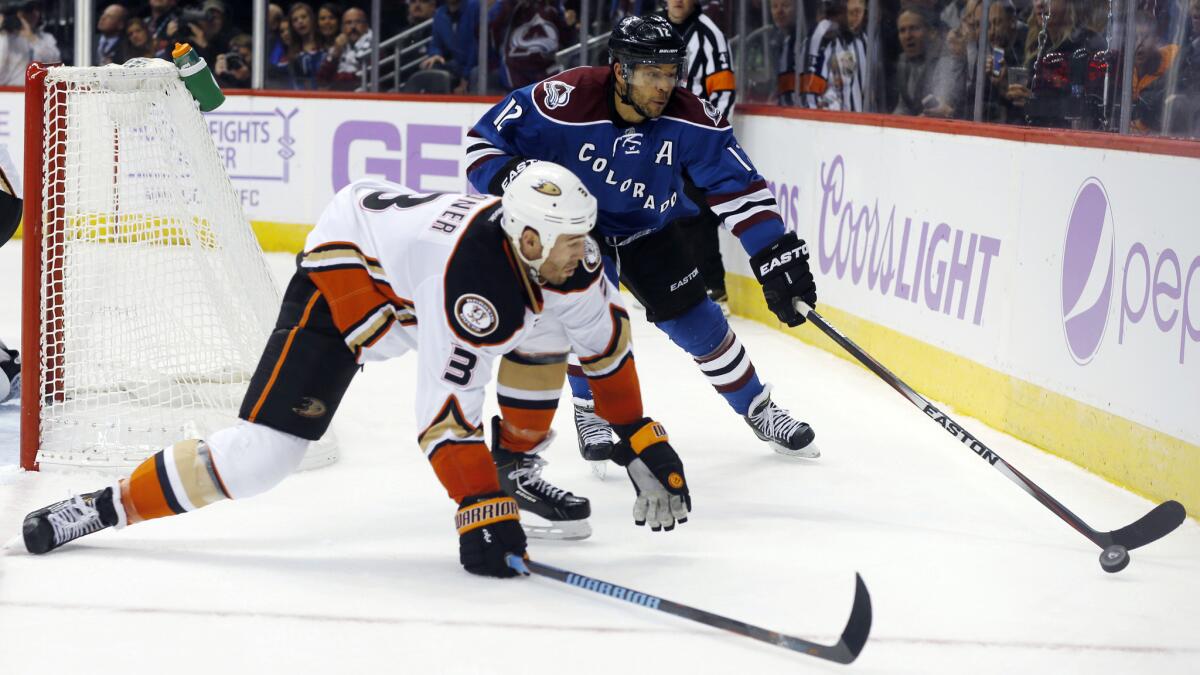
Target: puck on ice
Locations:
point(1114, 558)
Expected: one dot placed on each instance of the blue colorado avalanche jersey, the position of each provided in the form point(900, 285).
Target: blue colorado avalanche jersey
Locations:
point(636, 171)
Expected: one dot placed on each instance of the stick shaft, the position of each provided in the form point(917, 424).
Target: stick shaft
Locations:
point(957, 430)
point(859, 624)
point(1159, 522)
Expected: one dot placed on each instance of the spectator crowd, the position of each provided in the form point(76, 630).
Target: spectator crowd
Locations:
point(309, 46)
point(1042, 62)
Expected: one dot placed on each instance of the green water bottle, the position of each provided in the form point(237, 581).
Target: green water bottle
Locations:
point(197, 77)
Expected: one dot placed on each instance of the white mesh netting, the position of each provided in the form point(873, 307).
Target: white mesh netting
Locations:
point(156, 298)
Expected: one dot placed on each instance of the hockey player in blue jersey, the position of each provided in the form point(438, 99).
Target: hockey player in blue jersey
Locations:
point(631, 134)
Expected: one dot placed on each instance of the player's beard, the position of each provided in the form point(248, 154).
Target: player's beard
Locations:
point(558, 275)
point(648, 101)
point(654, 104)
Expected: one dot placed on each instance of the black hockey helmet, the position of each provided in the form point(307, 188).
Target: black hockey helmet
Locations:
point(647, 39)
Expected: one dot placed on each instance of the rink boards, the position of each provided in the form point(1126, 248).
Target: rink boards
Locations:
point(1051, 291)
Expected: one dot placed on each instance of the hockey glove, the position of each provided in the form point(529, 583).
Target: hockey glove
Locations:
point(656, 472)
point(782, 269)
point(488, 529)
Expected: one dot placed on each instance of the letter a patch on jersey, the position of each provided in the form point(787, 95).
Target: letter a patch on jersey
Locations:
point(665, 153)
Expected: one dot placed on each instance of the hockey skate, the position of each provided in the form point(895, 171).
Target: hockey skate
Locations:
point(595, 437)
point(785, 434)
point(547, 512)
point(48, 528)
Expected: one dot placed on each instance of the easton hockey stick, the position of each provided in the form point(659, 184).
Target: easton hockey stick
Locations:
point(1158, 523)
point(845, 651)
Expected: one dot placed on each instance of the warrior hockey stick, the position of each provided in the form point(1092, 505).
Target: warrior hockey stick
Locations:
point(845, 651)
point(1158, 523)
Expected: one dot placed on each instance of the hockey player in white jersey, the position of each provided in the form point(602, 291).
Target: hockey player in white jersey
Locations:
point(462, 279)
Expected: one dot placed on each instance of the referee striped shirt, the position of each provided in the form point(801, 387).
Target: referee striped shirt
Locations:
point(709, 74)
point(833, 72)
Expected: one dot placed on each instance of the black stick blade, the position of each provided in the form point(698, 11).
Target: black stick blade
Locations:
point(858, 627)
point(1161, 521)
point(854, 636)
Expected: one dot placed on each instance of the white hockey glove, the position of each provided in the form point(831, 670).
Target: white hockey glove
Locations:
point(656, 473)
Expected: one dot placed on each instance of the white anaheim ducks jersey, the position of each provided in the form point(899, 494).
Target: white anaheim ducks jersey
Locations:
point(436, 273)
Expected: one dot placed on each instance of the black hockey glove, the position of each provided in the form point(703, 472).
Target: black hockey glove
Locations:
point(488, 529)
point(511, 169)
point(656, 472)
point(782, 269)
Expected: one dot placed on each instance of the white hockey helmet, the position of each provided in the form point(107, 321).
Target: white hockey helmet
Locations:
point(550, 200)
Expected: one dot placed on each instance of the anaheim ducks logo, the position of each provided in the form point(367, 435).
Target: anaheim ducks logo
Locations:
point(591, 255)
point(557, 93)
point(311, 408)
point(547, 188)
point(675, 480)
point(476, 314)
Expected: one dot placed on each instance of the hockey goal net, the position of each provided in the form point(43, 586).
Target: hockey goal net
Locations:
point(147, 299)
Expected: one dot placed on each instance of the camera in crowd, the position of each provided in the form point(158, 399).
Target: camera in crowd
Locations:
point(9, 21)
point(189, 15)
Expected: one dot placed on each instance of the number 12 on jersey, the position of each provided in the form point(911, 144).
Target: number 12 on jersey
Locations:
point(509, 112)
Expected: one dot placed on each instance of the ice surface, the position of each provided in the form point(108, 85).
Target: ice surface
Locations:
point(353, 568)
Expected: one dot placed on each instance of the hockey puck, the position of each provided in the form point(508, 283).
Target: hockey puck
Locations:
point(1114, 558)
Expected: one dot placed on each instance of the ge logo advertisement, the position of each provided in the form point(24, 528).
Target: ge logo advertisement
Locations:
point(1151, 287)
point(287, 156)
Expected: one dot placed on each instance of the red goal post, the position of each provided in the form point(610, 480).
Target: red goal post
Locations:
point(31, 265)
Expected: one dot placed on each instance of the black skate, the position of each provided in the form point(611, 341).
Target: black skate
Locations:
point(595, 437)
point(785, 434)
point(547, 512)
point(48, 528)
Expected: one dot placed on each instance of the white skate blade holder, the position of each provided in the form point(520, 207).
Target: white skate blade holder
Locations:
point(810, 451)
point(537, 527)
point(599, 469)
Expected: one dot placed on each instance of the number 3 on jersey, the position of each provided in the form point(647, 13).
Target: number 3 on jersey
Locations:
point(459, 370)
point(510, 112)
point(380, 201)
